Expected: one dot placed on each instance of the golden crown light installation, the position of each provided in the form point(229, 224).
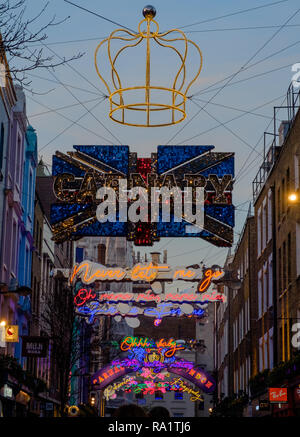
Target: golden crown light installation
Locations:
point(171, 100)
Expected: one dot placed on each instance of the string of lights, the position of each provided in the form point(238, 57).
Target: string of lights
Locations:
point(68, 119)
point(238, 178)
point(235, 109)
point(265, 58)
point(255, 76)
point(232, 119)
point(231, 14)
point(99, 93)
point(38, 114)
point(227, 128)
point(76, 98)
point(72, 124)
point(99, 38)
point(100, 16)
point(236, 73)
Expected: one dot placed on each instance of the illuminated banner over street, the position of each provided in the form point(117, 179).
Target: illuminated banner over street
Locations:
point(89, 272)
point(181, 191)
point(150, 358)
point(189, 303)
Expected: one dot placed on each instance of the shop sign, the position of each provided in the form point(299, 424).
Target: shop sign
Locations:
point(278, 395)
point(297, 394)
point(7, 391)
point(22, 397)
point(264, 405)
point(35, 346)
point(12, 333)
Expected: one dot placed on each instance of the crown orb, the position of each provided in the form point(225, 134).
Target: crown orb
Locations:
point(149, 11)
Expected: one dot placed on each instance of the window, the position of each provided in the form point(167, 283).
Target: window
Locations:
point(259, 232)
point(269, 215)
point(260, 355)
point(279, 270)
point(259, 294)
point(271, 350)
point(296, 167)
point(265, 288)
point(264, 224)
point(101, 253)
point(1, 145)
point(284, 265)
point(158, 396)
point(178, 396)
point(270, 285)
point(289, 259)
point(278, 204)
point(283, 196)
point(247, 316)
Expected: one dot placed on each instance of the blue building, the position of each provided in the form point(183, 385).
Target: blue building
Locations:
point(26, 227)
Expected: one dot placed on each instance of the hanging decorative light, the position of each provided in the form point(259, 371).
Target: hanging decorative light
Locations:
point(149, 104)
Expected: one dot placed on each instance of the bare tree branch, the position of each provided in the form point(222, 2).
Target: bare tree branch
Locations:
point(17, 38)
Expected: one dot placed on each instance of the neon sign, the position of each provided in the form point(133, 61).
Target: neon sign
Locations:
point(197, 376)
point(89, 272)
point(85, 295)
point(170, 345)
point(130, 384)
point(149, 357)
point(95, 308)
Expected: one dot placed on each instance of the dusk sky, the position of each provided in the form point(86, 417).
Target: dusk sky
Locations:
point(227, 44)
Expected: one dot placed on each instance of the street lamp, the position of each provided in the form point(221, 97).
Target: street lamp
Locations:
point(293, 198)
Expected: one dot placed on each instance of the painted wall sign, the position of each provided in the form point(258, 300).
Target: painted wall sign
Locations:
point(82, 176)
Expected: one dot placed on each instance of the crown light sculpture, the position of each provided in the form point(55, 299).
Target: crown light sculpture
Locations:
point(154, 98)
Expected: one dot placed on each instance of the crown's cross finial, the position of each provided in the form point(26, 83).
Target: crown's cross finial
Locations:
point(150, 104)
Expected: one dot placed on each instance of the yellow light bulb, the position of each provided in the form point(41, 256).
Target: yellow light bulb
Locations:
point(293, 197)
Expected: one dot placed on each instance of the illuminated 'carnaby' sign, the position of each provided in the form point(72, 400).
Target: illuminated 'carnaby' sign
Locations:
point(89, 272)
point(82, 176)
